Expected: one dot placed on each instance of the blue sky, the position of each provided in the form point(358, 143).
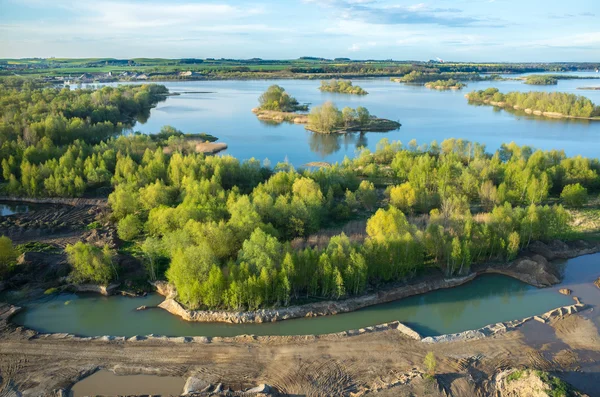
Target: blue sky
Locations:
point(461, 30)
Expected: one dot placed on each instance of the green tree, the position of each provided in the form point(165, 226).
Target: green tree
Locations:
point(189, 269)
point(129, 228)
point(325, 118)
point(403, 197)
point(430, 364)
point(8, 256)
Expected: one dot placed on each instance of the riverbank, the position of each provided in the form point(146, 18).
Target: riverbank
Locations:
point(532, 267)
point(338, 361)
point(504, 105)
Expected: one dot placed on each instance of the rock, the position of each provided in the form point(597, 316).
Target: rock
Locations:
point(597, 282)
point(542, 249)
point(100, 289)
point(165, 289)
point(218, 388)
point(195, 385)
point(143, 307)
point(262, 388)
point(535, 271)
point(411, 333)
point(565, 291)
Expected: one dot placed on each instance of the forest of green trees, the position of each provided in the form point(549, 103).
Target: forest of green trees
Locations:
point(539, 79)
point(558, 102)
point(230, 234)
point(342, 86)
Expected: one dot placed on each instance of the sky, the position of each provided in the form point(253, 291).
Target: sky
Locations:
point(453, 30)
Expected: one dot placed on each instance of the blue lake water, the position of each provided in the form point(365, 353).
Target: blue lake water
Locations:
point(426, 115)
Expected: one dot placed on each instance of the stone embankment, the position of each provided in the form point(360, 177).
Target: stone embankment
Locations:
point(308, 310)
point(499, 328)
point(532, 267)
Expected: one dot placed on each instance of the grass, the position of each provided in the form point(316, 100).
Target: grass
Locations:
point(35, 246)
point(514, 376)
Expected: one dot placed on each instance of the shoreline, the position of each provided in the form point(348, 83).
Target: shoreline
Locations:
point(532, 268)
point(550, 115)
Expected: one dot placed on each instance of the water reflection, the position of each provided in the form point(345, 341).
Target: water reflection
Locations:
point(326, 144)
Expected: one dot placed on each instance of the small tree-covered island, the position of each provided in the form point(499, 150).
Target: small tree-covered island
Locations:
point(324, 119)
point(547, 104)
point(449, 84)
point(342, 87)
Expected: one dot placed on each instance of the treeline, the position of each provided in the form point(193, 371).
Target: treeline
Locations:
point(341, 86)
point(556, 102)
point(32, 114)
point(426, 77)
point(538, 79)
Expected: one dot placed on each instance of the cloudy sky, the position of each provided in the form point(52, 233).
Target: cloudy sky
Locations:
point(461, 30)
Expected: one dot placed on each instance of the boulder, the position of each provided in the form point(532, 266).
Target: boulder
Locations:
point(195, 385)
point(542, 249)
point(535, 271)
point(165, 289)
point(565, 291)
point(262, 388)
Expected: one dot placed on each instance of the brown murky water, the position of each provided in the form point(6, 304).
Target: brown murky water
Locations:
point(106, 383)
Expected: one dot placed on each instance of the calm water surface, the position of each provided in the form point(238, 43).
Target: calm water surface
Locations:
point(106, 383)
point(10, 208)
point(488, 299)
point(426, 115)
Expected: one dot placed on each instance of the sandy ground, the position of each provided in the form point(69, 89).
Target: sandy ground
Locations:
point(377, 363)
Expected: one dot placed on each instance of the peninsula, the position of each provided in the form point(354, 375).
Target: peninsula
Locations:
point(547, 104)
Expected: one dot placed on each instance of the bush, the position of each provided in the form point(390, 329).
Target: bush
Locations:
point(8, 256)
point(574, 195)
point(129, 228)
point(91, 263)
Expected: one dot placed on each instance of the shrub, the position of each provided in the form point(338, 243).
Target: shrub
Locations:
point(91, 263)
point(574, 195)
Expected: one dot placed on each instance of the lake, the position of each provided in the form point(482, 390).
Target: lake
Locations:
point(224, 110)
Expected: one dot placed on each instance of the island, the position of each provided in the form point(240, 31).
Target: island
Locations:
point(421, 77)
point(325, 119)
point(546, 104)
point(328, 119)
point(342, 87)
point(538, 79)
point(449, 84)
point(589, 88)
